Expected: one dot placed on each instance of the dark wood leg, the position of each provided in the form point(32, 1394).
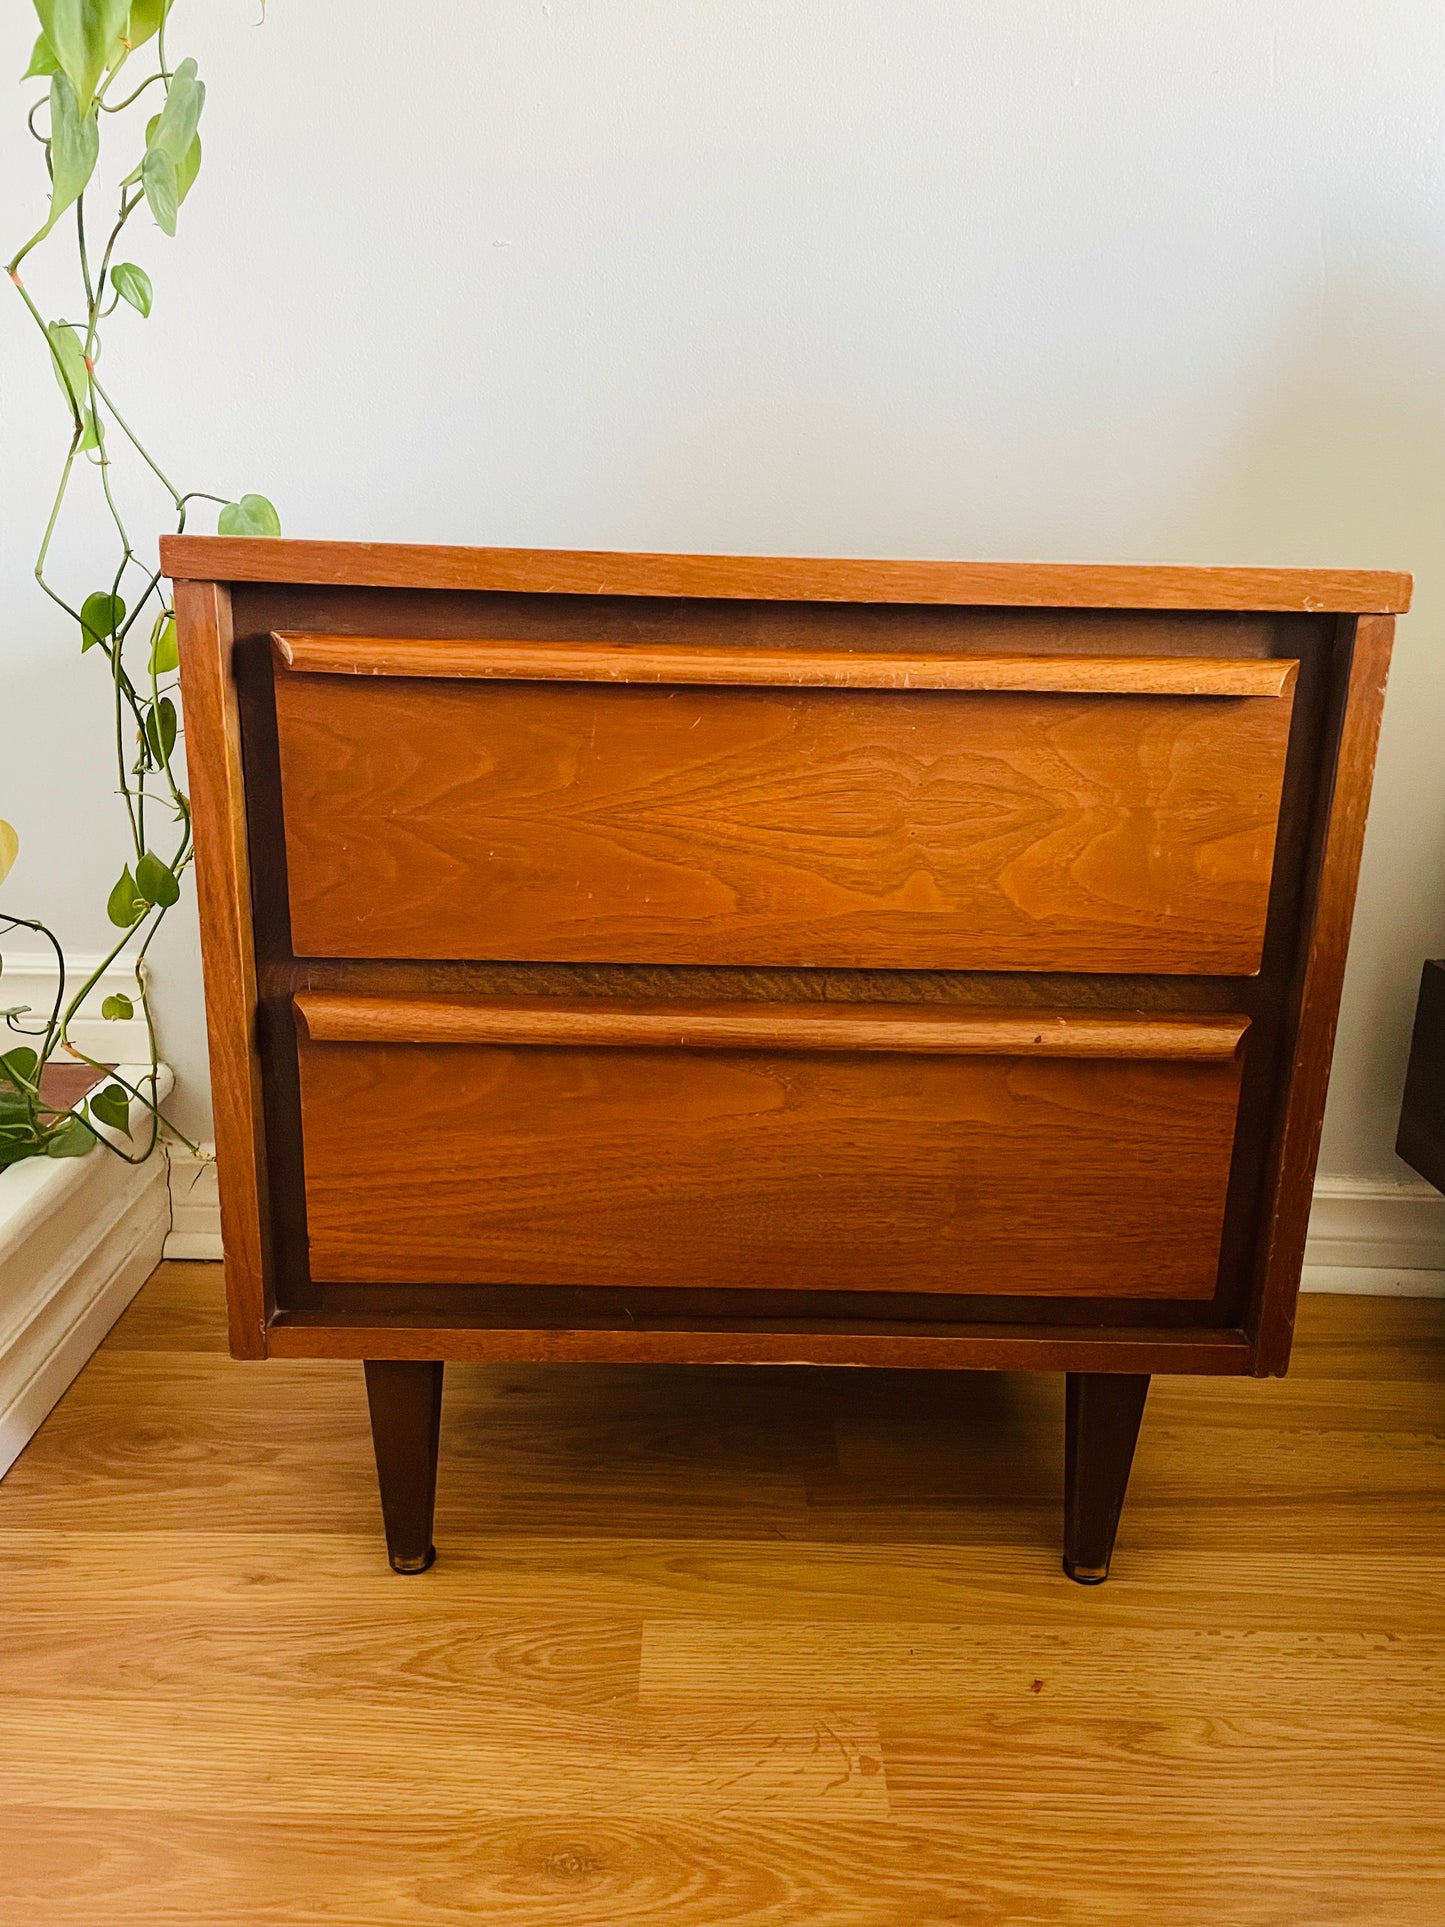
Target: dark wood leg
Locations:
point(405, 1396)
point(1101, 1424)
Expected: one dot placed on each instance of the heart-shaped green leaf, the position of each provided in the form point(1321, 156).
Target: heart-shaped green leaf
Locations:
point(156, 881)
point(111, 1106)
point(252, 515)
point(18, 1067)
point(82, 35)
point(117, 1008)
point(158, 178)
point(101, 615)
point(132, 284)
point(125, 905)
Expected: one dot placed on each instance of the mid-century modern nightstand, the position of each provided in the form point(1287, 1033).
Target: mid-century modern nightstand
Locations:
point(720, 959)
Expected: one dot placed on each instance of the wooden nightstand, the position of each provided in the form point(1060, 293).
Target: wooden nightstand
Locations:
point(727, 960)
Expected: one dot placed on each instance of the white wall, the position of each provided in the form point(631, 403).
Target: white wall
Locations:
point(1106, 279)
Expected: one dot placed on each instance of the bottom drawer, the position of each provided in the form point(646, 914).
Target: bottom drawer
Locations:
point(859, 1147)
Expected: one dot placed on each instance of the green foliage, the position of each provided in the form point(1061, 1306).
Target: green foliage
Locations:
point(146, 18)
point(161, 730)
point(174, 127)
point(252, 515)
point(101, 615)
point(156, 881)
point(82, 48)
point(82, 35)
point(28, 1126)
point(21, 1069)
point(165, 656)
point(42, 60)
point(162, 192)
point(67, 358)
point(111, 1106)
point(74, 147)
point(72, 1137)
point(132, 284)
point(125, 905)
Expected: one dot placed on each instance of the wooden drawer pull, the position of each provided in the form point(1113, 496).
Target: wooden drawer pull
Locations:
point(684, 663)
point(331, 1018)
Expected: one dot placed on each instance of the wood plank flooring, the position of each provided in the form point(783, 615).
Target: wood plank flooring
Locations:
point(724, 1647)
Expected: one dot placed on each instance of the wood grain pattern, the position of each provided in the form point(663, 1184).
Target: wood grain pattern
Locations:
point(265, 609)
point(815, 668)
point(223, 895)
point(405, 1397)
point(1175, 853)
point(767, 1169)
point(921, 829)
point(952, 1346)
point(1318, 997)
point(600, 572)
point(1240, 1714)
point(329, 1017)
point(1102, 1412)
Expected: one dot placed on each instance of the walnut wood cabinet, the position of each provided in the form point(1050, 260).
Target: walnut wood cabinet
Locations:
point(721, 959)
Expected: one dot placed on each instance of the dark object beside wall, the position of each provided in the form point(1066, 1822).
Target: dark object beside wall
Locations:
point(1421, 1142)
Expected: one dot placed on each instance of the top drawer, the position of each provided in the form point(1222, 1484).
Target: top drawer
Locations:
point(615, 803)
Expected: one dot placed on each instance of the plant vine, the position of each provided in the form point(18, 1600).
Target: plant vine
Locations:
point(101, 59)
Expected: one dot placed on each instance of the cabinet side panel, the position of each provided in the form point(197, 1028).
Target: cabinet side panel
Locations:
point(223, 893)
point(1344, 811)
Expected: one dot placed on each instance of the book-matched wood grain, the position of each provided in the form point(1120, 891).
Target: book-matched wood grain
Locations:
point(1331, 912)
point(819, 668)
point(772, 1168)
point(784, 578)
point(911, 829)
point(223, 896)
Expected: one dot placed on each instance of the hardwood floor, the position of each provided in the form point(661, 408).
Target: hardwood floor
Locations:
point(724, 1646)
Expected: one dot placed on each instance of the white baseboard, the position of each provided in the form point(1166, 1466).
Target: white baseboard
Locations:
point(78, 1239)
point(195, 1205)
point(1378, 1236)
point(30, 977)
point(1383, 1236)
point(1374, 1281)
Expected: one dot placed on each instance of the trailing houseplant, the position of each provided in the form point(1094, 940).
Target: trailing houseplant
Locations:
point(103, 78)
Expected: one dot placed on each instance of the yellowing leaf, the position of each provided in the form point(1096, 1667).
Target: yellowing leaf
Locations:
point(9, 848)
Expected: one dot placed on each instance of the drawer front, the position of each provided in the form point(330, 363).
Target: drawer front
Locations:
point(1114, 819)
point(809, 1147)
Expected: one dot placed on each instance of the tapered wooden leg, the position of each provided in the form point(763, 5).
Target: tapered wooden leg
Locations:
point(405, 1396)
point(1101, 1424)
